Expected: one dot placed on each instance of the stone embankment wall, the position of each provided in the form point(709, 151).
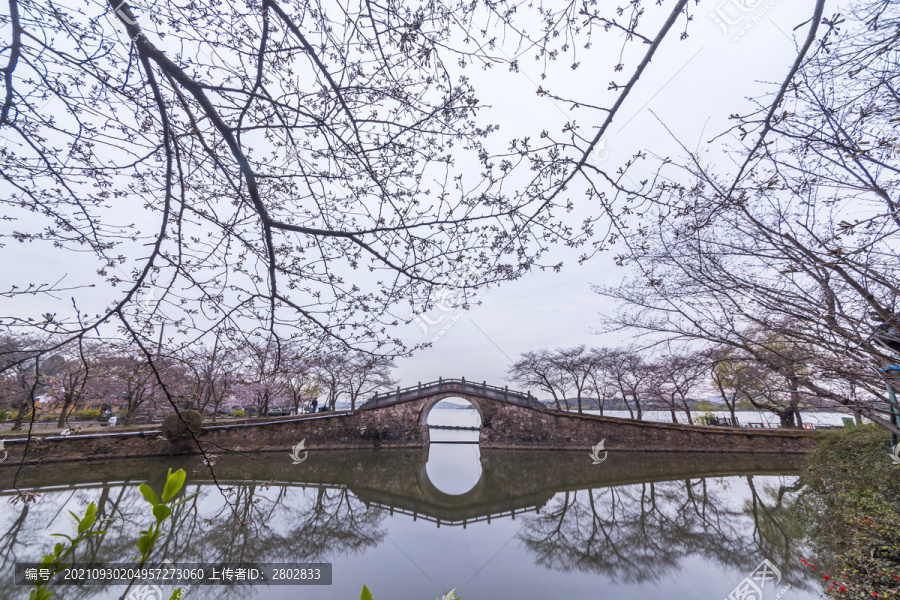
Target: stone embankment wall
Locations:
point(397, 426)
point(509, 426)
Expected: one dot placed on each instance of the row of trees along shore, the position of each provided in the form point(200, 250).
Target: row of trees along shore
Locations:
point(668, 380)
point(334, 167)
point(260, 375)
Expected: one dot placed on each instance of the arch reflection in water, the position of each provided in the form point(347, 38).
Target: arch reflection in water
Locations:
point(453, 469)
point(535, 523)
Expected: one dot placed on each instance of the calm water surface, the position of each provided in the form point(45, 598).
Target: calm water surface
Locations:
point(492, 524)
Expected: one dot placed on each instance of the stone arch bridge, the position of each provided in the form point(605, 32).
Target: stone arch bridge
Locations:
point(510, 420)
point(425, 396)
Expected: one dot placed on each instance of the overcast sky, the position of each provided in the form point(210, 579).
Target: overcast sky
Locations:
point(691, 87)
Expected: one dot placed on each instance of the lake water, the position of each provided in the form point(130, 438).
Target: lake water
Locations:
point(409, 523)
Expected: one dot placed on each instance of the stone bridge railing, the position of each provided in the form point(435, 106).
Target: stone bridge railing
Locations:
point(450, 387)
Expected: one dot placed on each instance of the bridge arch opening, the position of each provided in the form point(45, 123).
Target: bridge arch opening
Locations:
point(454, 419)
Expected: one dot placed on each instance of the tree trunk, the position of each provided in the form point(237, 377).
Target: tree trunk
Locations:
point(687, 411)
point(734, 420)
point(26, 395)
point(20, 415)
point(787, 418)
point(65, 409)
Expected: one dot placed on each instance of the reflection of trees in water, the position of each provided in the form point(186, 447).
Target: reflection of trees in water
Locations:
point(269, 524)
point(778, 533)
point(291, 525)
point(640, 533)
point(635, 532)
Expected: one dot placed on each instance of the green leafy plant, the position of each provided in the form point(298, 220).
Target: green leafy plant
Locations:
point(162, 510)
point(366, 594)
point(850, 507)
point(56, 561)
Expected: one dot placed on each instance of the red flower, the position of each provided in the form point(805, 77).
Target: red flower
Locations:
point(827, 577)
